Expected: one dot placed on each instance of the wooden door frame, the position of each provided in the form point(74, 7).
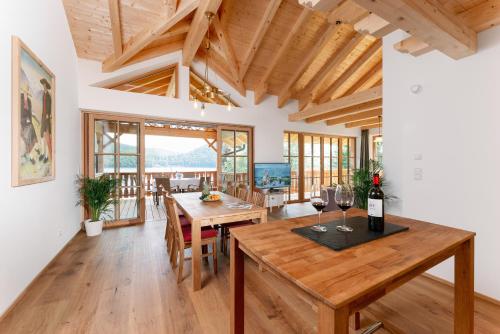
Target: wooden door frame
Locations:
point(88, 154)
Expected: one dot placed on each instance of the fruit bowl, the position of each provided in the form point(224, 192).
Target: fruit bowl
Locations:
point(211, 198)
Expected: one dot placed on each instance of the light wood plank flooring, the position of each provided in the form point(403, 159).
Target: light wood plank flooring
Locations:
point(122, 282)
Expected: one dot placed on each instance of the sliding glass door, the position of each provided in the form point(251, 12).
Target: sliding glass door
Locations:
point(115, 147)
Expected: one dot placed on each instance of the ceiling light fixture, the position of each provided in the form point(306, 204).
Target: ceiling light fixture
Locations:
point(210, 92)
point(379, 138)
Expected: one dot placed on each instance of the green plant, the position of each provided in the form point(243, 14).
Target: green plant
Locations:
point(362, 180)
point(96, 195)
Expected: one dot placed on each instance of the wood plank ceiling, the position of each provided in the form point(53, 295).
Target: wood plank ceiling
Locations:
point(331, 61)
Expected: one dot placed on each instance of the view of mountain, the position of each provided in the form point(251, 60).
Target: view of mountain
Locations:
point(201, 157)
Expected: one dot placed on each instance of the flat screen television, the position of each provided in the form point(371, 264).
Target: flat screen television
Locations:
point(272, 175)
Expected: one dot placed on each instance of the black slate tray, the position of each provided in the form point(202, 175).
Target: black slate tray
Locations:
point(337, 240)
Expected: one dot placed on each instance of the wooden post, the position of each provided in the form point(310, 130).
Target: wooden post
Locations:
point(237, 279)
point(464, 288)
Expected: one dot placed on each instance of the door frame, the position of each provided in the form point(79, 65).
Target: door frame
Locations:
point(88, 127)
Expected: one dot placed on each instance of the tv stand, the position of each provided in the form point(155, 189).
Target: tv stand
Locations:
point(275, 197)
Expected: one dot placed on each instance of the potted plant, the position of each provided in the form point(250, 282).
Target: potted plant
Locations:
point(362, 180)
point(97, 197)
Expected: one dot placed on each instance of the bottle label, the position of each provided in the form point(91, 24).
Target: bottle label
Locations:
point(375, 207)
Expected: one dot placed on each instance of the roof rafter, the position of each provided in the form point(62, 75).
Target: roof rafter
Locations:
point(374, 25)
point(360, 62)
point(262, 86)
point(199, 27)
point(368, 121)
point(170, 7)
point(229, 53)
point(367, 80)
point(264, 24)
point(326, 33)
point(347, 12)
point(116, 26)
point(146, 36)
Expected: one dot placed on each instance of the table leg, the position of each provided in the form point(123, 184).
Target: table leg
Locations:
point(263, 217)
point(464, 288)
point(237, 279)
point(196, 254)
point(331, 321)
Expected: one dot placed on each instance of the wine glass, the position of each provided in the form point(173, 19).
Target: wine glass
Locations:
point(344, 197)
point(319, 200)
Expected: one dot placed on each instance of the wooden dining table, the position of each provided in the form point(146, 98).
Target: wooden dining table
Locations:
point(340, 283)
point(201, 213)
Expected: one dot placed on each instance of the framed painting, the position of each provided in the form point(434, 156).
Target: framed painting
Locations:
point(33, 117)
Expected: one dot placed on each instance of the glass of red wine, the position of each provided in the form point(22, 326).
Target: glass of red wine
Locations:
point(344, 197)
point(319, 200)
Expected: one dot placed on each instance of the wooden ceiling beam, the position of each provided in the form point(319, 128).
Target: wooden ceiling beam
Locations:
point(199, 27)
point(157, 131)
point(311, 89)
point(264, 24)
point(326, 34)
point(347, 12)
point(359, 63)
point(320, 5)
point(262, 86)
point(178, 29)
point(368, 121)
point(229, 53)
point(161, 88)
point(374, 25)
point(480, 17)
point(373, 126)
point(413, 46)
point(116, 26)
point(155, 52)
point(146, 36)
point(367, 80)
point(170, 7)
point(361, 107)
point(148, 82)
point(428, 21)
point(355, 117)
point(372, 94)
point(171, 90)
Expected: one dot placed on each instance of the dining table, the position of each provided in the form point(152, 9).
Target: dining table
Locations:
point(228, 209)
point(339, 284)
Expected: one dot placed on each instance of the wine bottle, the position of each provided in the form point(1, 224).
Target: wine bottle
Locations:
point(376, 206)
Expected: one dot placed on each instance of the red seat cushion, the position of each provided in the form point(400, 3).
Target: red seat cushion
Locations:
point(184, 221)
point(239, 224)
point(206, 232)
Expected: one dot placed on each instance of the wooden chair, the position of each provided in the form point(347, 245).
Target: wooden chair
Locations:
point(182, 238)
point(256, 198)
point(229, 189)
point(242, 192)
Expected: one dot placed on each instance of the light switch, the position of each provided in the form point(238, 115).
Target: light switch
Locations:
point(418, 174)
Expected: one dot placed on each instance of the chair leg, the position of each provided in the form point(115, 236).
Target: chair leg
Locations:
point(173, 254)
point(181, 265)
point(204, 250)
point(214, 254)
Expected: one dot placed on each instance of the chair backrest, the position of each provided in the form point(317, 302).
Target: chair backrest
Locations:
point(202, 181)
point(242, 192)
point(173, 217)
point(164, 184)
point(230, 189)
point(258, 198)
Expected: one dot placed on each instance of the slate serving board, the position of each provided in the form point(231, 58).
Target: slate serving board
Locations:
point(337, 240)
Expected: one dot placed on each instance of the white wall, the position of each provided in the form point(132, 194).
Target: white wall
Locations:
point(454, 124)
point(268, 120)
point(37, 220)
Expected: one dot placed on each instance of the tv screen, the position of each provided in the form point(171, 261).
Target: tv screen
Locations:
point(272, 175)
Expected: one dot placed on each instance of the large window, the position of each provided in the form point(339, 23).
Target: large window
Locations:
point(316, 158)
point(348, 158)
point(291, 155)
point(377, 148)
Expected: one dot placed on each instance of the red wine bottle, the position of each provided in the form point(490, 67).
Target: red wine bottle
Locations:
point(376, 206)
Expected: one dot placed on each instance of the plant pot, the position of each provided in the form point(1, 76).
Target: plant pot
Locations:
point(93, 228)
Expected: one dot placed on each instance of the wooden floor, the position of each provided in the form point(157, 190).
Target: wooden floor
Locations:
point(122, 282)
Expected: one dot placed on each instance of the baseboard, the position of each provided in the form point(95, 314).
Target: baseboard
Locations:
point(23, 293)
point(476, 294)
